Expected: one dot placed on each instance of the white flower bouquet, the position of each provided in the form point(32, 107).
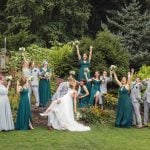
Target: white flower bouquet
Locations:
point(30, 79)
point(8, 78)
point(72, 72)
point(113, 67)
point(47, 75)
point(22, 49)
point(76, 42)
point(78, 116)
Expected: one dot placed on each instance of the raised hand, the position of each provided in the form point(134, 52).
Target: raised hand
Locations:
point(132, 70)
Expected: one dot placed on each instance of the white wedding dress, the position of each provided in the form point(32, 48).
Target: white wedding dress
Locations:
point(61, 116)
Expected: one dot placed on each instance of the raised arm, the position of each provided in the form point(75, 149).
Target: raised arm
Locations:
point(109, 79)
point(78, 52)
point(19, 88)
point(90, 55)
point(24, 58)
point(116, 78)
point(8, 85)
point(75, 102)
point(130, 75)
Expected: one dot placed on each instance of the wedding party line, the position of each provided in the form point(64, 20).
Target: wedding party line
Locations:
point(82, 93)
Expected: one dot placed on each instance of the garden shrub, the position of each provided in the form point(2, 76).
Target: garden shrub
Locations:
point(110, 101)
point(144, 72)
point(95, 115)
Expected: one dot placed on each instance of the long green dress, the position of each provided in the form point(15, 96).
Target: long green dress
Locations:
point(124, 109)
point(83, 102)
point(44, 90)
point(24, 111)
point(83, 65)
point(95, 88)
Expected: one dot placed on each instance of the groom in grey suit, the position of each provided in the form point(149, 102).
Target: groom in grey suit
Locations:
point(146, 101)
point(136, 88)
point(103, 86)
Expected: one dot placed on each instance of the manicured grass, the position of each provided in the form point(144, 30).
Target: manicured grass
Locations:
point(99, 138)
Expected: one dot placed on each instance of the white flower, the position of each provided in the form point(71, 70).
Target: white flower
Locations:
point(31, 78)
point(77, 42)
point(72, 72)
point(8, 77)
point(78, 115)
point(47, 75)
point(113, 67)
point(22, 49)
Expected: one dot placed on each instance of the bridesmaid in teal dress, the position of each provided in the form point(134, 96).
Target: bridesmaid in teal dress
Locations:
point(124, 108)
point(83, 95)
point(84, 64)
point(95, 89)
point(44, 85)
point(23, 121)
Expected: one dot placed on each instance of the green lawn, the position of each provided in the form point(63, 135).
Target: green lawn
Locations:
point(99, 138)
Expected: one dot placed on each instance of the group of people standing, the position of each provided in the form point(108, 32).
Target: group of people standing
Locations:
point(90, 91)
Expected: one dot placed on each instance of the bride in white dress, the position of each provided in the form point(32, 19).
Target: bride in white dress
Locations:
point(61, 112)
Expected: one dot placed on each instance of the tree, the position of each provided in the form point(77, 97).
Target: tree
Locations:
point(48, 20)
point(134, 26)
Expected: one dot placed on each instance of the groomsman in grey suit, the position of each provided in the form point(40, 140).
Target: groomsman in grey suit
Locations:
point(103, 86)
point(146, 101)
point(35, 71)
point(135, 94)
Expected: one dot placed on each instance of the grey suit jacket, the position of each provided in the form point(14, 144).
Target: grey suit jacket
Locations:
point(147, 91)
point(103, 85)
point(136, 91)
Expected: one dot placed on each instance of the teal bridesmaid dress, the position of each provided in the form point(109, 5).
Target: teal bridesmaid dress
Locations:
point(24, 111)
point(44, 91)
point(95, 88)
point(124, 109)
point(83, 65)
point(83, 102)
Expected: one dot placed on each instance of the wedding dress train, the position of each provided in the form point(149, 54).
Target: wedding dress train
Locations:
point(61, 115)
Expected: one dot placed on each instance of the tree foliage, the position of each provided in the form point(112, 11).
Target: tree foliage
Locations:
point(46, 20)
point(134, 26)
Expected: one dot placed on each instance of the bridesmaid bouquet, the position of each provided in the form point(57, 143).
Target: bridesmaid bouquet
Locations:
point(30, 79)
point(76, 42)
point(72, 72)
point(22, 49)
point(47, 75)
point(8, 78)
point(113, 67)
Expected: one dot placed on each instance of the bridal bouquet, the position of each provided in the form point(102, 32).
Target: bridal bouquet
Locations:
point(8, 78)
point(113, 67)
point(78, 116)
point(30, 79)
